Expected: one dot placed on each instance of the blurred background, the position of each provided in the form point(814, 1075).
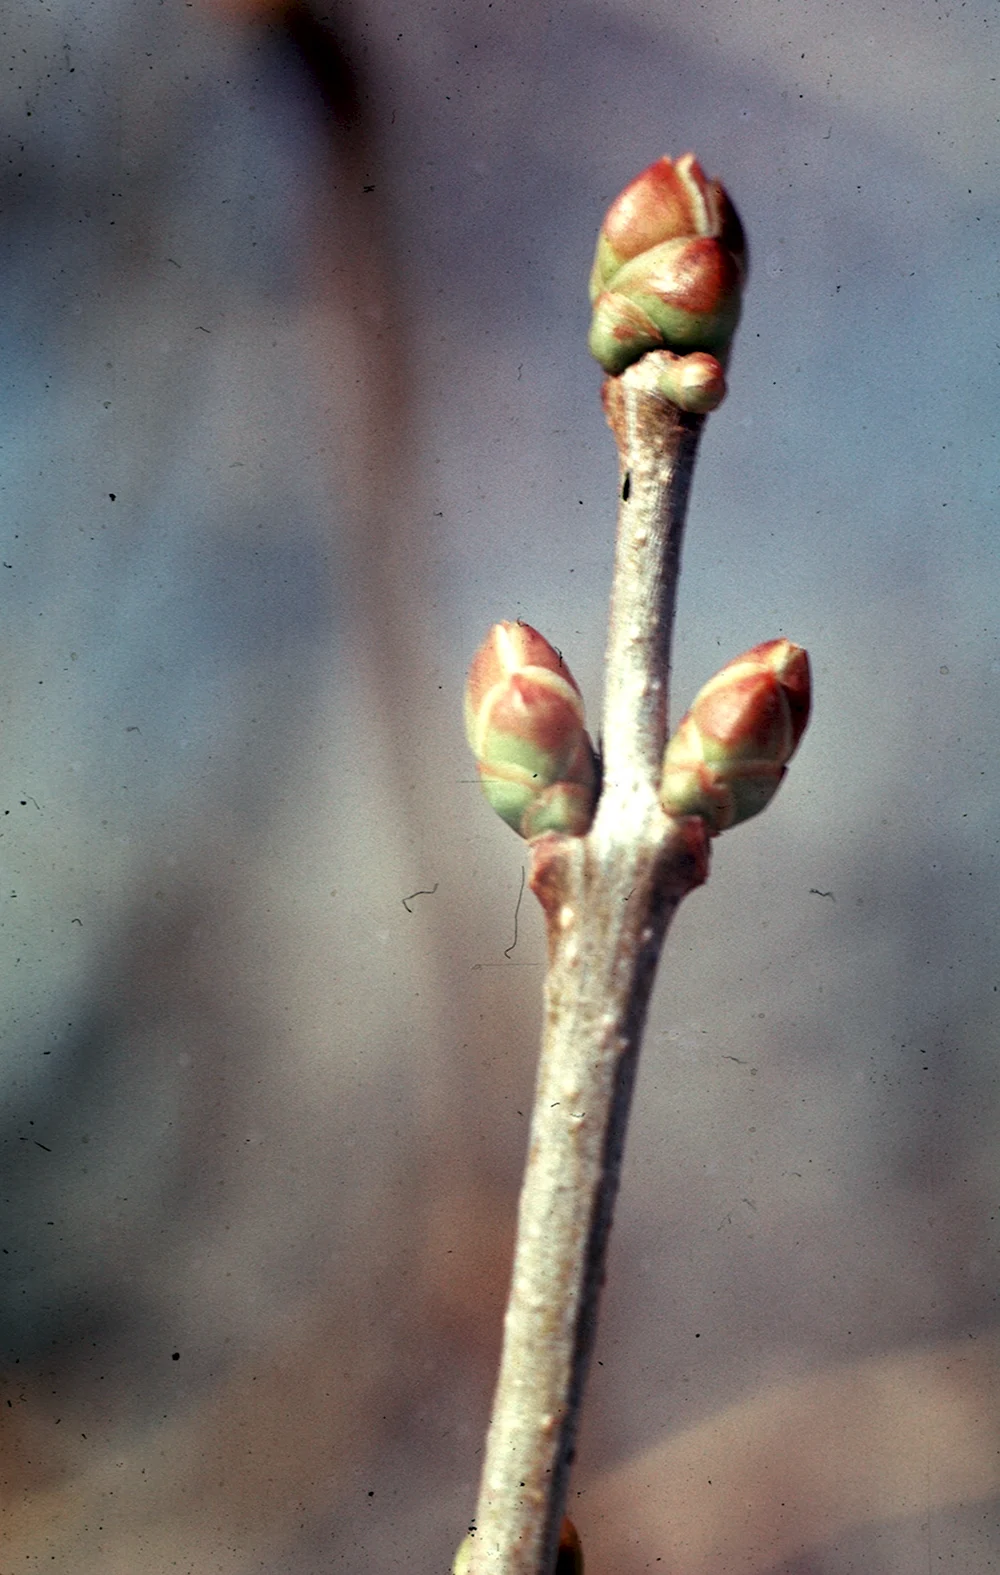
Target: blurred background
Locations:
point(296, 402)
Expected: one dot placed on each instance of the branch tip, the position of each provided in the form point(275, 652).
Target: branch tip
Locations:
point(668, 273)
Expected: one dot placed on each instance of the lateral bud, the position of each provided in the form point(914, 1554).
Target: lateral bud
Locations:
point(525, 725)
point(731, 750)
point(693, 382)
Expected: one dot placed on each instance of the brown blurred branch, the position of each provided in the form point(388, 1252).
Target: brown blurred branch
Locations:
point(797, 1466)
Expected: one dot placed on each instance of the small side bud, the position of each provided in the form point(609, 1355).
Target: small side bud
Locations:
point(694, 382)
point(728, 756)
point(669, 268)
point(525, 725)
point(670, 200)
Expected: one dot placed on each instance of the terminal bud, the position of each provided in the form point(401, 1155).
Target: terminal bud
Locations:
point(669, 269)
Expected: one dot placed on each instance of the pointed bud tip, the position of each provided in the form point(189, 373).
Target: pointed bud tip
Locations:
point(509, 646)
point(668, 200)
point(790, 665)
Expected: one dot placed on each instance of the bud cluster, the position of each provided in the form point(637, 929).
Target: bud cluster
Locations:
point(730, 752)
point(668, 274)
point(525, 725)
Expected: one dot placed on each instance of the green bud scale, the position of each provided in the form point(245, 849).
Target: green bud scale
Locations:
point(728, 756)
point(668, 274)
point(525, 725)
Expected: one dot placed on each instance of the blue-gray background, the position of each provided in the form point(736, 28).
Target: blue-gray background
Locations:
point(295, 402)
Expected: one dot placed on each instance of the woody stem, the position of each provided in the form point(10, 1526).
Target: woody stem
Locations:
point(608, 898)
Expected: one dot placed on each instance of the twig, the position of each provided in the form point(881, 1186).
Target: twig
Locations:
point(668, 271)
point(608, 898)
